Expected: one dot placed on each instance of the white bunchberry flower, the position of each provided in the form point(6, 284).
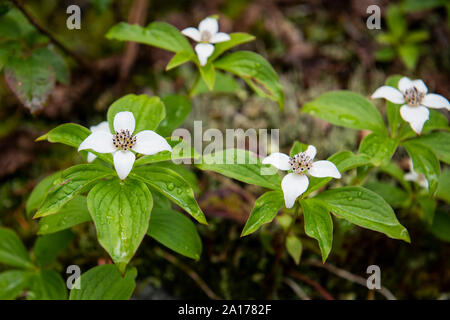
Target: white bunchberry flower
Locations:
point(102, 126)
point(122, 142)
point(413, 95)
point(296, 183)
point(416, 177)
point(206, 34)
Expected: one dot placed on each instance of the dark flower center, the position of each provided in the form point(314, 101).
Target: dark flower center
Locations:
point(413, 97)
point(300, 163)
point(206, 36)
point(124, 140)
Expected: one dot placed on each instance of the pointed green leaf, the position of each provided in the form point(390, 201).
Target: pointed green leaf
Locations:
point(105, 283)
point(12, 283)
point(424, 162)
point(40, 192)
point(148, 111)
point(364, 208)
point(48, 247)
point(121, 213)
point(171, 185)
point(294, 247)
point(439, 142)
point(12, 250)
point(175, 231)
point(318, 224)
point(237, 38)
point(47, 285)
point(264, 211)
point(208, 74)
point(178, 108)
point(241, 165)
point(71, 214)
point(378, 148)
point(346, 109)
point(180, 58)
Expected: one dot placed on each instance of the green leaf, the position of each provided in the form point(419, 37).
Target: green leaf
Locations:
point(396, 172)
point(396, 21)
point(208, 74)
point(294, 247)
point(297, 147)
point(393, 195)
point(12, 283)
point(180, 58)
point(417, 36)
point(392, 109)
point(241, 165)
point(171, 185)
point(237, 38)
point(224, 83)
point(344, 161)
point(183, 171)
point(157, 34)
point(180, 151)
point(71, 214)
point(175, 231)
point(12, 251)
point(441, 226)
point(105, 283)
point(443, 190)
point(378, 148)
point(385, 54)
point(409, 53)
point(47, 285)
point(48, 56)
point(39, 192)
point(73, 181)
point(318, 224)
point(178, 108)
point(428, 206)
point(147, 111)
point(347, 109)
point(264, 211)
point(364, 208)
point(439, 143)
point(48, 247)
point(121, 213)
point(70, 134)
point(424, 162)
point(30, 80)
point(256, 72)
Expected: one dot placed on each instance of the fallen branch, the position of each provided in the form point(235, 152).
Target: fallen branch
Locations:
point(312, 283)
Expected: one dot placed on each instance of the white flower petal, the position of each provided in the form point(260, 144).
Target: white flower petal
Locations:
point(123, 163)
point(389, 93)
point(416, 116)
point(435, 101)
point(420, 85)
point(311, 152)
point(91, 157)
point(124, 121)
point(204, 51)
point(192, 33)
point(293, 186)
point(220, 37)
point(278, 160)
point(99, 141)
point(149, 142)
point(404, 84)
point(102, 126)
point(324, 168)
point(209, 24)
point(423, 182)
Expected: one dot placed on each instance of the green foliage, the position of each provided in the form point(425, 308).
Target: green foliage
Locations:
point(346, 109)
point(12, 251)
point(364, 208)
point(318, 224)
point(294, 247)
point(121, 213)
point(12, 283)
point(48, 247)
point(241, 165)
point(47, 285)
point(424, 162)
point(256, 72)
point(105, 283)
point(175, 231)
point(264, 211)
point(177, 109)
point(378, 148)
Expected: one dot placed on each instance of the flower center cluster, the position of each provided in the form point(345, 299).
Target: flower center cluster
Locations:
point(206, 36)
point(413, 97)
point(124, 140)
point(300, 163)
